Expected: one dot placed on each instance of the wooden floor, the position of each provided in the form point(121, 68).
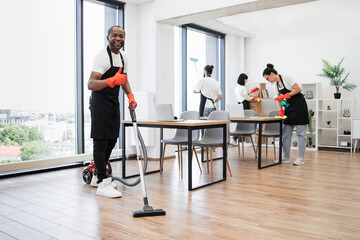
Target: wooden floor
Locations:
point(318, 200)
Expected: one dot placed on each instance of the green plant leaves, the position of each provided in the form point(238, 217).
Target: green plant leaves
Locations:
point(335, 74)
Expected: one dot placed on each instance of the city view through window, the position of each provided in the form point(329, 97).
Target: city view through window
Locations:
point(37, 103)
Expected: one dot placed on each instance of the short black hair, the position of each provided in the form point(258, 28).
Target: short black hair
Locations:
point(241, 79)
point(111, 28)
point(269, 69)
point(209, 69)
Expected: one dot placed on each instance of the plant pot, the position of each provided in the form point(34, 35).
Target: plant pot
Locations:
point(337, 95)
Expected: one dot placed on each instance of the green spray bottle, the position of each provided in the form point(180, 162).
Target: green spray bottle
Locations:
point(285, 103)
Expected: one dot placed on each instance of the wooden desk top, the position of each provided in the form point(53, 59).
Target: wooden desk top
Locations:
point(259, 119)
point(179, 123)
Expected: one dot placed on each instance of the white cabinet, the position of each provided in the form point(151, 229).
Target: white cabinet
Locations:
point(334, 123)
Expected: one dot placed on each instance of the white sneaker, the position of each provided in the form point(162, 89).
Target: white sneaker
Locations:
point(95, 184)
point(106, 190)
point(284, 160)
point(299, 161)
point(233, 142)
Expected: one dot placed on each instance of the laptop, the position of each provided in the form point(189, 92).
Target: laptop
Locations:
point(235, 110)
point(164, 113)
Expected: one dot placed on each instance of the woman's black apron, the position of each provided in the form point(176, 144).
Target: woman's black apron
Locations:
point(297, 112)
point(246, 104)
point(104, 107)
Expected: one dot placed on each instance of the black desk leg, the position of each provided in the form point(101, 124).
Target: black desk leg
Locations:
point(123, 151)
point(259, 143)
point(280, 148)
point(280, 142)
point(161, 146)
point(224, 150)
point(190, 159)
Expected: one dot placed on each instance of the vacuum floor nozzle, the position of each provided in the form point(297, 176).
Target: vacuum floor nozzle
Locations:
point(148, 211)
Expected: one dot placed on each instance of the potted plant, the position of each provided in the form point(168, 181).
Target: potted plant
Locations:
point(335, 74)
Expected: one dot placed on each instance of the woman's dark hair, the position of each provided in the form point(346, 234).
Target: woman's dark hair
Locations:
point(241, 79)
point(269, 69)
point(209, 69)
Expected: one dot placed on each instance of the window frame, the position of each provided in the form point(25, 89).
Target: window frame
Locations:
point(183, 50)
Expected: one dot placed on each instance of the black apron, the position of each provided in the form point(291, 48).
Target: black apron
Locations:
point(104, 107)
point(246, 104)
point(202, 104)
point(297, 112)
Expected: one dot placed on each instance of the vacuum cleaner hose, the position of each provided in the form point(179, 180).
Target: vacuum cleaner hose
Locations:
point(144, 156)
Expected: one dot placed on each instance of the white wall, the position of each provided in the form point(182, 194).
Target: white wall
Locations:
point(296, 38)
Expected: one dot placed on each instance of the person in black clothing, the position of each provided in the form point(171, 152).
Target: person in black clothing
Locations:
point(109, 72)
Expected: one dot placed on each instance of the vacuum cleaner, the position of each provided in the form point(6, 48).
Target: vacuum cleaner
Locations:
point(147, 210)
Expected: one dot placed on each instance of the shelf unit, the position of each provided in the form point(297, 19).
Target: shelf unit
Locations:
point(334, 125)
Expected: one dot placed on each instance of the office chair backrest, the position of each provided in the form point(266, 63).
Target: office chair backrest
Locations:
point(216, 134)
point(272, 127)
point(246, 127)
point(188, 115)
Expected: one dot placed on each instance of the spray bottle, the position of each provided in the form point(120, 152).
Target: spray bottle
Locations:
point(285, 103)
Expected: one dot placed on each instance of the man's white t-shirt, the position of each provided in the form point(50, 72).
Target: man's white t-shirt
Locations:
point(288, 82)
point(102, 61)
point(240, 92)
point(210, 88)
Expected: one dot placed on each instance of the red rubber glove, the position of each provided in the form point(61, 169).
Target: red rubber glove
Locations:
point(117, 79)
point(254, 89)
point(281, 113)
point(282, 97)
point(132, 100)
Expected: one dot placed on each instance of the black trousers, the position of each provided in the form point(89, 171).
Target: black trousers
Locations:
point(102, 151)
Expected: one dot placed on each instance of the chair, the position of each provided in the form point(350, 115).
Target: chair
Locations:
point(213, 138)
point(270, 130)
point(245, 130)
point(181, 138)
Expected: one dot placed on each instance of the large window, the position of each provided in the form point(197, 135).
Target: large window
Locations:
point(98, 18)
point(45, 54)
point(200, 47)
point(37, 117)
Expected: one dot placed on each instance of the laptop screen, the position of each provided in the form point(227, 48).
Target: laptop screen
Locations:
point(163, 112)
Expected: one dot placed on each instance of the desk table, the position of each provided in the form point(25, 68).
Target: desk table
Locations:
point(190, 125)
point(261, 121)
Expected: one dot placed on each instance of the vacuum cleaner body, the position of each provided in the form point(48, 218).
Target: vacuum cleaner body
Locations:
point(89, 171)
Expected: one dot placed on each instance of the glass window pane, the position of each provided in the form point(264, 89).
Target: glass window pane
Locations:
point(202, 50)
point(98, 18)
point(37, 103)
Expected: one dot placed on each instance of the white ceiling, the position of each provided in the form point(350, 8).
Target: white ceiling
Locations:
point(240, 19)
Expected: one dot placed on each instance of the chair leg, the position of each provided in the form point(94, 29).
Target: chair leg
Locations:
point(227, 162)
point(274, 149)
point(163, 155)
point(252, 142)
point(181, 163)
point(178, 155)
point(207, 158)
point(238, 143)
point(242, 143)
point(197, 159)
point(211, 162)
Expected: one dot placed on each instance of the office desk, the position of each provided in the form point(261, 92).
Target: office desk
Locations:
point(190, 125)
point(261, 121)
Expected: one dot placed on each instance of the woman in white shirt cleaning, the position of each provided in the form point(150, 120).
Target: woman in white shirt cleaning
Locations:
point(241, 94)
